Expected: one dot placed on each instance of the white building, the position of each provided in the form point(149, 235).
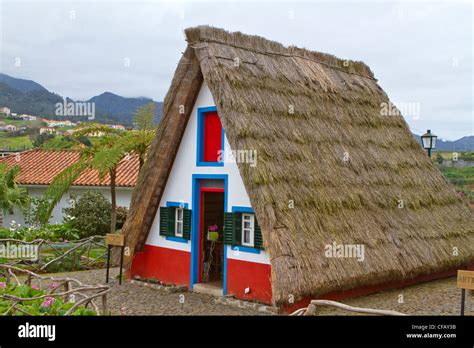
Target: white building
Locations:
point(9, 128)
point(49, 130)
point(39, 167)
point(5, 110)
point(26, 117)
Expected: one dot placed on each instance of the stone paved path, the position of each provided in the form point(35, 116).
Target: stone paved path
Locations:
point(132, 299)
point(439, 297)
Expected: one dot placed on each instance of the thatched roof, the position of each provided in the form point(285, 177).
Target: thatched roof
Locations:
point(347, 168)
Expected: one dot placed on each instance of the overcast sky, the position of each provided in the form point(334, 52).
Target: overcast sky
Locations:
point(421, 53)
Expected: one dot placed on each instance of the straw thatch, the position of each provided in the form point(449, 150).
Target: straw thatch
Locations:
point(355, 177)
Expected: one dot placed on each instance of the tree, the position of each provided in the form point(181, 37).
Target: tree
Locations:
point(11, 195)
point(143, 118)
point(104, 156)
point(40, 139)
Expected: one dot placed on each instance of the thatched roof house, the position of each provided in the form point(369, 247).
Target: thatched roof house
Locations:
point(330, 167)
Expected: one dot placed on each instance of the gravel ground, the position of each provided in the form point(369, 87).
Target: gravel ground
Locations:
point(440, 297)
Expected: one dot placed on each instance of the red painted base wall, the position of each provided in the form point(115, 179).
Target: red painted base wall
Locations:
point(168, 265)
point(256, 276)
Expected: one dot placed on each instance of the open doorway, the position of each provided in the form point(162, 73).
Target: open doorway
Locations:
point(211, 231)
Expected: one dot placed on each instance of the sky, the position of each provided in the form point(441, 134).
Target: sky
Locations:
point(421, 52)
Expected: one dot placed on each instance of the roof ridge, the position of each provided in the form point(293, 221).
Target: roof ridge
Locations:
point(261, 45)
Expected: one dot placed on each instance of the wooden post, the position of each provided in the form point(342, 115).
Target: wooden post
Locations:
point(463, 300)
point(66, 289)
point(121, 264)
point(109, 247)
point(104, 304)
point(115, 240)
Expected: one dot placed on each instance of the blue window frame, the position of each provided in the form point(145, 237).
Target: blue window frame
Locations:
point(179, 205)
point(200, 139)
point(245, 249)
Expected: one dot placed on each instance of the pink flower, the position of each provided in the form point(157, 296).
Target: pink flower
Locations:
point(3, 285)
point(47, 302)
point(36, 287)
point(53, 286)
point(213, 228)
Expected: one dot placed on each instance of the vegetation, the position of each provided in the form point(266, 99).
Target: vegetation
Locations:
point(39, 139)
point(53, 233)
point(143, 118)
point(122, 213)
point(43, 306)
point(104, 156)
point(58, 143)
point(15, 143)
point(461, 177)
point(11, 195)
point(89, 214)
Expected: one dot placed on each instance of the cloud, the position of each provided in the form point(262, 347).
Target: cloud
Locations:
point(420, 52)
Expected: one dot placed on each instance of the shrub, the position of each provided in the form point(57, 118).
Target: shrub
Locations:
point(122, 213)
point(54, 233)
point(5, 233)
point(69, 263)
point(32, 213)
point(89, 214)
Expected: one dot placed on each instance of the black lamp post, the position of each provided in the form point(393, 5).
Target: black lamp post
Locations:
point(429, 141)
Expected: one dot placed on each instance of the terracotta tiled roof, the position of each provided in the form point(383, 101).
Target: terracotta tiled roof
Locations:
point(39, 167)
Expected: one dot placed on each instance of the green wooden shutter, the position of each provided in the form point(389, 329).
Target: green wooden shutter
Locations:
point(237, 217)
point(187, 224)
point(228, 228)
point(171, 220)
point(258, 240)
point(163, 221)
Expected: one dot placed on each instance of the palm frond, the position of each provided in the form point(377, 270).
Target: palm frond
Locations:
point(60, 185)
point(11, 174)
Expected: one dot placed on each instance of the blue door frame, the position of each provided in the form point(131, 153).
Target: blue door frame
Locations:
point(196, 209)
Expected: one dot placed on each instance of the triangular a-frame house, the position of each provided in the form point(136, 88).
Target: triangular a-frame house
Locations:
point(276, 175)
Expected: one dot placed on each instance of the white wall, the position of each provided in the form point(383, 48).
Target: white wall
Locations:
point(179, 185)
point(124, 195)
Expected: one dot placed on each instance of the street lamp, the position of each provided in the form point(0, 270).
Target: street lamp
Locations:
point(429, 141)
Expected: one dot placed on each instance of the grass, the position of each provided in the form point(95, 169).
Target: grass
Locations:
point(462, 178)
point(22, 123)
point(449, 155)
point(15, 143)
point(459, 176)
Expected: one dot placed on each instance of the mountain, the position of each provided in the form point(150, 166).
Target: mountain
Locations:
point(29, 97)
point(111, 106)
point(37, 101)
point(20, 84)
point(463, 144)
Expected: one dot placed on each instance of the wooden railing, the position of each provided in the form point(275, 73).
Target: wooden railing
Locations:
point(73, 290)
point(49, 252)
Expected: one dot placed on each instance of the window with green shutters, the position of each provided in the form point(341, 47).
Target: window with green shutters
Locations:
point(233, 230)
point(170, 227)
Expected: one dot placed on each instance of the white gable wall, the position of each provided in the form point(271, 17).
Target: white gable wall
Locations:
point(179, 185)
